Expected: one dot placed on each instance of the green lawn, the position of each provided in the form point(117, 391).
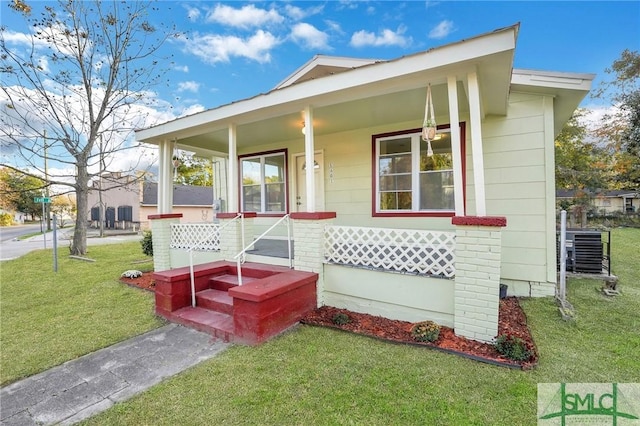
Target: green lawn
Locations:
point(47, 318)
point(321, 376)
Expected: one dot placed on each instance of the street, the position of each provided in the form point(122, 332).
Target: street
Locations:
point(11, 232)
point(10, 248)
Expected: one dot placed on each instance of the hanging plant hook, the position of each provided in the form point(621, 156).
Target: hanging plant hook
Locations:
point(175, 159)
point(429, 124)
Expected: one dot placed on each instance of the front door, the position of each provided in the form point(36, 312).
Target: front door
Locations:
point(301, 182)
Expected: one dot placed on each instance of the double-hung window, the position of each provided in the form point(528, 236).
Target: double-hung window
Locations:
point(264, 183)
point(407, 180)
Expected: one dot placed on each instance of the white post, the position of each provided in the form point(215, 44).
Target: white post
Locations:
point(232, 191)
point(165, 182)
point(454, 120)
point(309, 154)
point(563, 255)
point(476, 143)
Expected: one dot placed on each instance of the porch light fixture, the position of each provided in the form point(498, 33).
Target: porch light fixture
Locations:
point(315, 165)
point(429, 123)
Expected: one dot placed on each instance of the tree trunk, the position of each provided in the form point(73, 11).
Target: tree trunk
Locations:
point(79, 245)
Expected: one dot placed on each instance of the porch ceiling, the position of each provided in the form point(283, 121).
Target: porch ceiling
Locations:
point(384, 109)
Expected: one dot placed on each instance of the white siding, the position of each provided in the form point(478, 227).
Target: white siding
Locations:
point(518, 159)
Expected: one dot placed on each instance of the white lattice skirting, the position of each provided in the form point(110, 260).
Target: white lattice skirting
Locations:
point(195, 236)
point(399, 250)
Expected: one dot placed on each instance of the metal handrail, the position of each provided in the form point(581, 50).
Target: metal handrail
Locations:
point(240, 256)
point(192, 248)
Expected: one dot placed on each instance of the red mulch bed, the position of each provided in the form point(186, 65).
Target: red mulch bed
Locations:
point(511, 320)
point(145, 282)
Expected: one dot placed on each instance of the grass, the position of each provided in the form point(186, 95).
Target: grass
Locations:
point(47, 318)
point(321, 376)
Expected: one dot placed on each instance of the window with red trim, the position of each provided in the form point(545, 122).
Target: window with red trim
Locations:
point(410, 181)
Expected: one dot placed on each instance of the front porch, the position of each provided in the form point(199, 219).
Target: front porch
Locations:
point(272, 299)
point(406, 274)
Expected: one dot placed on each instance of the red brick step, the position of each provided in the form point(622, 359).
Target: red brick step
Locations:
point(226, 281)
point(215, 323)
point(215, 300)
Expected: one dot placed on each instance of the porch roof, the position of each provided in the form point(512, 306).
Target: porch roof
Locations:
point(366, 93)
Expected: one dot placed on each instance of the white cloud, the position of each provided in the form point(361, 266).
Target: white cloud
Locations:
point(309, 36)
point(248, 16)
point(334, 26)
point(296, 13)
point(594, 116)
point(213, 48)
point(385, 38)
point(43, 64)
point(188, 86)
point(193, 13)
point(117, 129)
point(443, 29)
point(183, 68)
point(192, 109)
point(22, 39)
point(41, 38)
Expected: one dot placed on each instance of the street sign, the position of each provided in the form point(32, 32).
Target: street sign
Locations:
point(41, 199)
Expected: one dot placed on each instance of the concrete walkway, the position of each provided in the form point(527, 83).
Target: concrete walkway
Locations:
point(83, 387)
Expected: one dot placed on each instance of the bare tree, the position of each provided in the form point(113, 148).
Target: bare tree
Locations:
point(76, 90)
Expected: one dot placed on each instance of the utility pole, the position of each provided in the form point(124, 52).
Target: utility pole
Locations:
point(102, 206)
point(46, 181)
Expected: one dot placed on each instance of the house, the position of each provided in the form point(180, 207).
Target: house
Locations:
point(392, 224)
point(129, 200)
point(606, 202)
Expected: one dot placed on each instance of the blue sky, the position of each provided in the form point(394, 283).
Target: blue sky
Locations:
point(238, 49)
point(243, 49)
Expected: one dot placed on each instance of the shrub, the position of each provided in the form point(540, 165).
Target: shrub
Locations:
point(341, 319)
point(6, 219)
point(425, 331)
point(513, 347)
point(147, 243)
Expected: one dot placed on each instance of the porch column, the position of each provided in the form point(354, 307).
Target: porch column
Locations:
point(235, 234)
point(309, 154)
point(220, 183)
point(476, 143)
point(232, 190)
point(165, 178)
point(477, 280)
point(308, 234)
point(454, 119)
point(161, 239)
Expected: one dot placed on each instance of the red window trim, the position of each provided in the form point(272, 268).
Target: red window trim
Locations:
point(284, 151)
point(374, 175)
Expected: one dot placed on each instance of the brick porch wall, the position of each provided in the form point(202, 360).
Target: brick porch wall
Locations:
point(161, 238)
point(477, 280)
point(308, 233)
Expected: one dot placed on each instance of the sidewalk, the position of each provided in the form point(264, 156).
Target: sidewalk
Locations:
point(83, 387)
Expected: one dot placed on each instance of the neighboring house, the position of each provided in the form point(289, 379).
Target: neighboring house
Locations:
point(193, 202)
point(337, 146)
point(607, 202)
point(129, 201)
